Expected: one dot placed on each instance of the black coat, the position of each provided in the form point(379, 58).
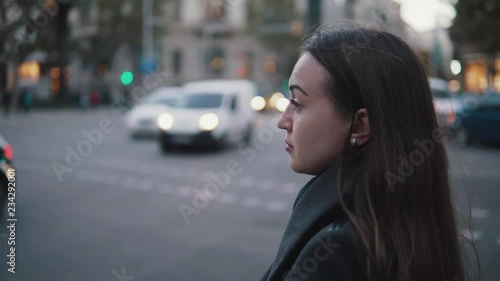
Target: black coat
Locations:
point(319, 242)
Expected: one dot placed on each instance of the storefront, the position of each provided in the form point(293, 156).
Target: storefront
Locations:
point(476, 77)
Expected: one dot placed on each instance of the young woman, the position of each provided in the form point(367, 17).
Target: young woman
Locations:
point(362, 121)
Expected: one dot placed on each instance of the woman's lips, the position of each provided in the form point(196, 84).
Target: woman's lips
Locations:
point(288, 147)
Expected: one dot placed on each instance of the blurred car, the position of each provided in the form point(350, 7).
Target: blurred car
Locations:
point(141, 120)
point(210, 113)
point(478, 120)
point(445, 105)
point(6, 156)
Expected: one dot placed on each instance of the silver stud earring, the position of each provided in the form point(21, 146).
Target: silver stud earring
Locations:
point(353, 141)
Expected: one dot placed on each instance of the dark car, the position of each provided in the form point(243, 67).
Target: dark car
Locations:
point(5, 166)
point(478, 120)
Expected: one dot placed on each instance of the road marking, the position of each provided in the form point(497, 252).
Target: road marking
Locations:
point(82, 175)
point(479, 213)
point(145, 168)
point(146, 185)
point(184, 191)
point(289, 188)
point(498, 241)
point(226, 198)
point(476, 234)
point(247, 181)
point(97, 177)
point(129, 182)
point(172, 173)
point(266, 184)
point(112, 179)
point(166, 188)
point(251, 202)
point(275, 206)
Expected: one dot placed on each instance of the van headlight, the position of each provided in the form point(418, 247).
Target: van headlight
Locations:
point(208, 122)
point(165, 121)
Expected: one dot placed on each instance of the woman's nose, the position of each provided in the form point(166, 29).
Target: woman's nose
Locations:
point(285, 122)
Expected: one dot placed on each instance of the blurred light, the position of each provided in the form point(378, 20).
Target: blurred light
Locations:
point(126, 78)
point(101, 69)
point(451, 117)
point(208, 122)
point(270, 66)
point(8, 152)
point(455, 67)
point(454, 86)
point(297, 28)
point(217, 63)
point(29, 70)
point(165, 121)
point(258, 103)
point(55, 72)
point(274, 99)
point(281, 104)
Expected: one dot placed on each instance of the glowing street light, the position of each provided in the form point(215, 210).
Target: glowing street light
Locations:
point(455, 67)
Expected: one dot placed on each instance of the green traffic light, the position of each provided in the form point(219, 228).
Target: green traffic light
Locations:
point(127, 77)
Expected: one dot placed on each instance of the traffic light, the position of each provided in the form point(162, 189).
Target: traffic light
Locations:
point(126, 78)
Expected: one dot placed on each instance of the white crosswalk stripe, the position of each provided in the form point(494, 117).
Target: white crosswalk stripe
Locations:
point(185, 191)
point(97, 177)
point(251, 202)
point(247, 181)
point(225, 198)
point(275, 206)
point(146, 185)
point(112, 179)
point(266, 184)
point(166, 188)
point(130, 182)
point(479, 213)
point(289, 188)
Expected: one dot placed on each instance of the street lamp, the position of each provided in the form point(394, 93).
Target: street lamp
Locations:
point(455, 67)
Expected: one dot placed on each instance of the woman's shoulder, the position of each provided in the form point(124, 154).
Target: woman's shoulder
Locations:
point(334, 251)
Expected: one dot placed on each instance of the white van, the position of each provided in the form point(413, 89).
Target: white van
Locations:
point(210, 112)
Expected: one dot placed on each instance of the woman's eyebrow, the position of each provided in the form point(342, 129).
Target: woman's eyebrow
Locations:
point(294, 86)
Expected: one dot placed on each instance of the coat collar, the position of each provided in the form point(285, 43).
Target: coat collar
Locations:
point(315, 202)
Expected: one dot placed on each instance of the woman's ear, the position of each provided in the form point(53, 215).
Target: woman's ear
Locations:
point(361, 127)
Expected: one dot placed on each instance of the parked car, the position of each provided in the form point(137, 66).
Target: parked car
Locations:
point(210, 113)
point(142, 118)
point(479, 120)
point(6, 156)
point(445, 104)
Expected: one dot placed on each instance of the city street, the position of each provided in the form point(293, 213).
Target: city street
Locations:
point(93, 204)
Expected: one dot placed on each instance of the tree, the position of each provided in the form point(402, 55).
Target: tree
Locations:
point(32, 25)
point(119, 22)
point(278, 27)
point(478, 23)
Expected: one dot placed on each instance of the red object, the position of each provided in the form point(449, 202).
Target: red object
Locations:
point(94, 97)
point(8, 152)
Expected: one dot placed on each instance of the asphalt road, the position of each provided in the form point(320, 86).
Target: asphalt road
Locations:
point(123, 211)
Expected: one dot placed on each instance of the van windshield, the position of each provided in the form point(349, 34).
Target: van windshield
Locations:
point(202, 100)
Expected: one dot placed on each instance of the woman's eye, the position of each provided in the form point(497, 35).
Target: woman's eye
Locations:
point(295, 103)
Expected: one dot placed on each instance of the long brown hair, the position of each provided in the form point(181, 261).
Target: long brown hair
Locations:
point(395, 188)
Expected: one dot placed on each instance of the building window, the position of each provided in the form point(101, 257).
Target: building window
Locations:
point(177, 10)
point(215, 10)
point(177, 62)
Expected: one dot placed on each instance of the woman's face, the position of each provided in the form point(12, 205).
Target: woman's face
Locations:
point(315, 131)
